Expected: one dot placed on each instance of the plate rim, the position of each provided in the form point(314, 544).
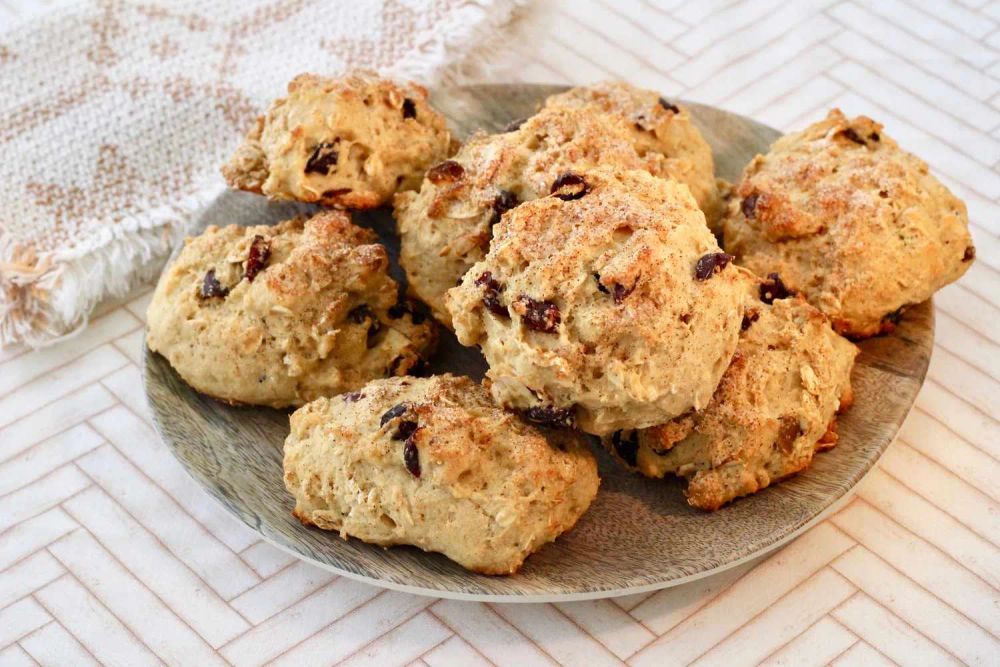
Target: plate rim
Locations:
point(837, 502)
point(836, 505)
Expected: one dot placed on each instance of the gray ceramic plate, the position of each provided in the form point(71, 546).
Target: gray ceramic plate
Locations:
point(639, 534)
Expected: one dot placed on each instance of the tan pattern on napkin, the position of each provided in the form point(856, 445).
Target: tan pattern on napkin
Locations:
point(117, 114)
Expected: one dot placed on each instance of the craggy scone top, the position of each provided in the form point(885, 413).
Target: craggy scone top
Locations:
point(656, 126)
point(857, 225)
point(446, 227)
point(434, 463)
point(347, 142)
point(280, 315)
point(774, 408)
point(607, 304)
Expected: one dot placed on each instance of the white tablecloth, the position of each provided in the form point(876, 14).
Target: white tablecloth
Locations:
point(109, 552)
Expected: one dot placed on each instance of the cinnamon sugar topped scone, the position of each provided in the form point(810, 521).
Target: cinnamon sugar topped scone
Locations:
point(432, 462)
point(280, 315)
point(774, 408)
point(446, 227)
point(857, 225)
point(655, 125)
point(607, 303)
point(349, 142)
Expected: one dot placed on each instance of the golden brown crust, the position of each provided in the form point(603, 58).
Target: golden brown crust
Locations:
point(317, 317)
point(446, 227)
point(847, 218)
point(657, 127)
point(434, 463)
point(775, 406)
point(591, 304)
point(348, 142)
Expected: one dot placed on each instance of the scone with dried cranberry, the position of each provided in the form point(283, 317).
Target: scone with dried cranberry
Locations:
point(433, 463)
point(607, 304)
point(846, 217)
point(346, 142)
point(656, 126)
point(282, 315)
point(446, 227)
point(775, 407)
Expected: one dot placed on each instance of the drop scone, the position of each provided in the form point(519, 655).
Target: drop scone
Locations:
point(433, 463)
point(607, 304)
point(857, 225)
point(446, 227)
point(774, 408)
point(280, 315)
point(656, 126)
point(346, 142)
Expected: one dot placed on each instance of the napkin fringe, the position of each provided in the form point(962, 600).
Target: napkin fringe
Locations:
point(48, 298)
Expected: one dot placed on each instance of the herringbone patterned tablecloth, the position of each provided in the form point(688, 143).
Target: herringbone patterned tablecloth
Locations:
point(110, 553)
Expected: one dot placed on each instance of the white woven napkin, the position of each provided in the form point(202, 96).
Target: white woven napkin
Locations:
point(115, 117)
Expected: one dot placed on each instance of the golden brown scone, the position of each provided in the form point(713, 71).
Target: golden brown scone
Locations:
point(346, 142)
point(607, 303)
point(282, 315)
point(659, 126)
point(774, 408)
point(432, 462)
point(844, 216)
point(446, 227)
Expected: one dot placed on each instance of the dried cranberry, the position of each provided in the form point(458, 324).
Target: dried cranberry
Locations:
point(773, 288)
point(627, 448)
point(514, 125)
point(260, 252)
point(711, 264)
point(353, 397)
point(504, 201)
point(448, 171)
point(621, 292)
point(323, 158)
point(211, 288)
point(393, 412)
point(417, 311)
point(491, 294)
point(748, 205)
point(404, 430)
point(540, 316)
point(668, 106)
point(748, 319)
point(569, 186)
point(850, 134)
point(967, 256)
point(362, 315)
point(600, 286)
point(549, 415)
point(409, 108)
point(411, 457)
